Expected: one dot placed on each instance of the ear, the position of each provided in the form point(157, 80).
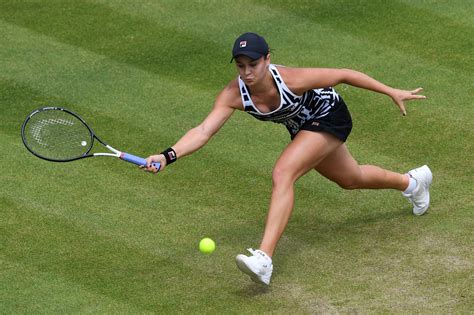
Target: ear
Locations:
point(267, 59)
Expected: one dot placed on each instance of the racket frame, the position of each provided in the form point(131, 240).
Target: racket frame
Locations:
point(114, 152)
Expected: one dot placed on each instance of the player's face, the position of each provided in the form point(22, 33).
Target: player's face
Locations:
point(252, 71)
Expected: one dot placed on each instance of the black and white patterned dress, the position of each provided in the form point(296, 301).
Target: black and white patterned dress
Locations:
point(315, 110)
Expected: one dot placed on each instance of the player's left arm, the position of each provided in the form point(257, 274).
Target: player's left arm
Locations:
point(303, 79)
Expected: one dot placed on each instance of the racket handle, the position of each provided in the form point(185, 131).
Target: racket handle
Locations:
point(137, 160)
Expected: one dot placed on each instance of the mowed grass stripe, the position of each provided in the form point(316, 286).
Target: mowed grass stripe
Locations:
point(153, 30)
point(454, 10)
point(44, 63)
point(404, 28)
point(37, 291)
point(219, 21)
point(126, 39)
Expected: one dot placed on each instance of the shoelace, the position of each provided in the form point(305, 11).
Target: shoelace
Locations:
point(252, 251)
point(259, 254)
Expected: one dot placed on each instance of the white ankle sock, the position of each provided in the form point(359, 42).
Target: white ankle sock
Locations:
point(411, 185)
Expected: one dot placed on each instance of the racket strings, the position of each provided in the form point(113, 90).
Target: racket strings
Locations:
point(57, 135)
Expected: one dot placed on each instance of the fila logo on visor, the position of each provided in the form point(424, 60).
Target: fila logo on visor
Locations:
point(243, 44)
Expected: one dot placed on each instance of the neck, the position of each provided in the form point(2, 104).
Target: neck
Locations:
point(264, 86)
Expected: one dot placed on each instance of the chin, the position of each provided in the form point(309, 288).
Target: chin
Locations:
point(251, 82)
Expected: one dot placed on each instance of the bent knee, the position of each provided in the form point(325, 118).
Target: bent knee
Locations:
point(283, 175)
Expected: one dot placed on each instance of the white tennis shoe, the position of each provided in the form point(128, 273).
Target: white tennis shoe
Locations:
point(420, 197)
point(258, 266)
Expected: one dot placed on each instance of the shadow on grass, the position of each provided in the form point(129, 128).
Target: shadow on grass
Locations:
point(252, 290)
point(316, 229)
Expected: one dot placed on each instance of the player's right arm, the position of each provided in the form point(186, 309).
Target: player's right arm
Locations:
point(226, 103)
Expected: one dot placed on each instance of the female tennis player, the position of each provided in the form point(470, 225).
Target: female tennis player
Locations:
point(319, 123)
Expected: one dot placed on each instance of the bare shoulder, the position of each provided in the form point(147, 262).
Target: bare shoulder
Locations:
point(296, 78)
point(300, 80)
point(230, 96)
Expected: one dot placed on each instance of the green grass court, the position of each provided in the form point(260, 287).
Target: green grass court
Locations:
point(100, 236)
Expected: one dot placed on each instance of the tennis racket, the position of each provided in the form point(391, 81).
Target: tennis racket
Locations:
point(60, 135)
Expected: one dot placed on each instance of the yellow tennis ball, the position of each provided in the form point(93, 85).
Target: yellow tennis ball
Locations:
point(207, 246)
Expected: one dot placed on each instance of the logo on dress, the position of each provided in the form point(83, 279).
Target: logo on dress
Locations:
point(243, 44)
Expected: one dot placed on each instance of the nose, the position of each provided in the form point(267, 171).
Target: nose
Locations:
point(247, 71)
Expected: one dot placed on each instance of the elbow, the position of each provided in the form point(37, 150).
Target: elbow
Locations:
point(346, 75)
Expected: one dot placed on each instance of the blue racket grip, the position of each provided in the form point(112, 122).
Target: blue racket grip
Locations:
point(137, 160)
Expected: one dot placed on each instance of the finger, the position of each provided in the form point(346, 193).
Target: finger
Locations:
point(155, 170)
point(148, 166)
point(150, 170)
point(148, 162)
point(416, 91)
point(418, 97)
point(144, 168)
point(402, 108)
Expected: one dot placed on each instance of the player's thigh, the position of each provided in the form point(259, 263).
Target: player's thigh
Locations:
point(306, 150)
point(340, 167)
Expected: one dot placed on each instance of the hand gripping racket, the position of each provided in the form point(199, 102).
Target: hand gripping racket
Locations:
point(59, 135)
